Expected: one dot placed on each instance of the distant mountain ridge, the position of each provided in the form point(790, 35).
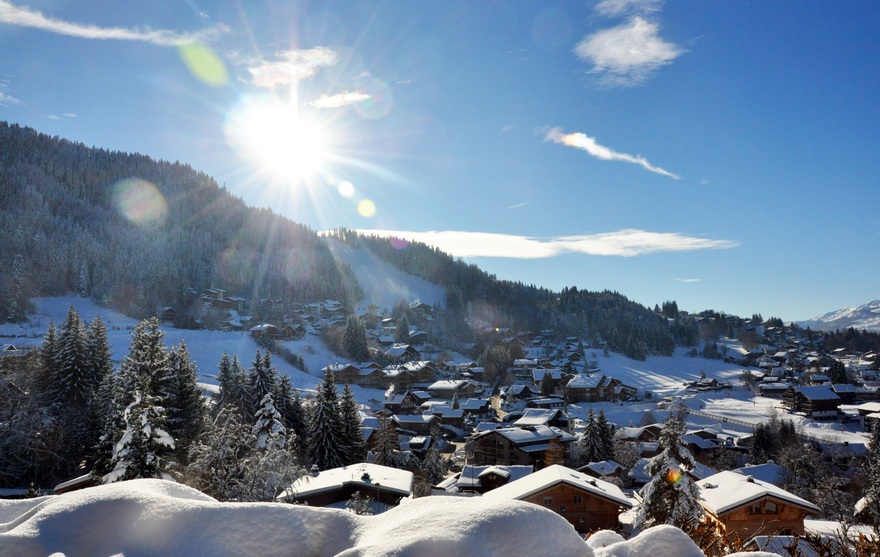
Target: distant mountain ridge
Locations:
point(865, 317)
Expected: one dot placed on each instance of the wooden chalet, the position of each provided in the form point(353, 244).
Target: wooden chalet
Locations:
point(589, 504)
point(334, 487)
point(597, 388)
point(517, 446)
point(818, 402)
point(744, 506)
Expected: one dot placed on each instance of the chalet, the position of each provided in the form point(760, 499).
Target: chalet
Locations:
point(167, 314)
point(513, 445)
point(403, 352)
point(868, 411)
point(744, 506)
point(448, 415)
point(334, 487)
point(406, 403)
point(547, 402)
point(400, 378)
point(476, 407)
point(416, 423)
point(851, 394)
point(451, 388)
point(480, 479)
point(587, 503)
point(817, 402)
point(551, 417)
point(603, 469)
point(645, 434)
point(520, 392)
point(265, 331)
point(556, 377)
point(597, 388)
point(423, 371)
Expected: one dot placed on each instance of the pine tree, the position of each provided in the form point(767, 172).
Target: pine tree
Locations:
point(270, 433)
point(354, 340)
point(261, 380)
point(147, 361)
point(605, 431)
point(871, 495)
point(386, 443)
point(547, 386)
point(231, 379)
point(48, 361)
point(671, 497)
point(590, 443)
point(184, 406)
point(325, 427)
point(73, 383)
point(402, 333)
point(217, 459)
point(141, 450)
point(433, 467)
point(352, 439)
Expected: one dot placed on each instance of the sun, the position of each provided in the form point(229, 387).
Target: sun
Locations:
point(278, 140)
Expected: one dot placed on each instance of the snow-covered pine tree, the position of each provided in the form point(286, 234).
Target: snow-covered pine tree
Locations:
point(184, 407)
point(142, 449)
point(671, 497)
point(590, 441)
point(73, 383)
point(148, 360)
point(48, 361)
point(218, 457)
point(606, 436)
point(260, 381)
point(433, 466)
point(386, 443)
point(351, 427)
point(869, 506)
point(354, 340)
point(401, 334)
point(268, 430)
point(325, 427)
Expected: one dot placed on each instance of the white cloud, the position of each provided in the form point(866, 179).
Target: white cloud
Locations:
point(292, 66)
point(340, 99)
point(518, 205)
point(617, 8)
point(6, 99)
point(687, 280)
point(627, 54)
point(623, 243)
point(588, 144)
point(26, 17)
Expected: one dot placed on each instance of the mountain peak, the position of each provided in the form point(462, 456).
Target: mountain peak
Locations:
point(865, 317)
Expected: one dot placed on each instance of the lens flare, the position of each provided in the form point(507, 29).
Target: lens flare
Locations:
point(367, 208)
point(380, 101)
point(345, 188)
point(204, 64)
point(398, 243)
point(674, 476)
point(140, 202)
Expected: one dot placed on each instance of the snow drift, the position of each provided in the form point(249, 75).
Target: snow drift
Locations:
point(141, 518)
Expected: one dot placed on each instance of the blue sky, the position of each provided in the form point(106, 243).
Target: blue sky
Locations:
point(720, 154)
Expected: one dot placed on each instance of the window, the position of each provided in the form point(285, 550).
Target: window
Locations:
point(548, 500)
point(578, 500)
point(770, 508)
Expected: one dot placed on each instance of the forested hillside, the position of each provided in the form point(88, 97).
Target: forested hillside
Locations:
point(135, 234)
point(628, 327)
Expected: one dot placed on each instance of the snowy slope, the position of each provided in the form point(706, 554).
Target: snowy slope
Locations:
point(142, 518)
point(384, 284)
point(866, 317)
point(205, 347)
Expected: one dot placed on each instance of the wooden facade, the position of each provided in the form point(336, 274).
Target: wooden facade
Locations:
point(583, 509)
point(768, 516)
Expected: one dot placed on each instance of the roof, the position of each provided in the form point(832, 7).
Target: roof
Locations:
point(818, 392)
point(364, 474)
point(726, 491)
point(553, 475)
point(604, 468)
point(537, 416)
point(769, 472)
point(581, 381)
point(470, 476)
point(537, 434)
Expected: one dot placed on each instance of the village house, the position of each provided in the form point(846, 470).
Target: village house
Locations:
point(817, 402)
point(597, 388)
point(589, 504)
point(451, 388)
point(480, 479)
point(744, 506)
point(513, 445)
point(334, 487)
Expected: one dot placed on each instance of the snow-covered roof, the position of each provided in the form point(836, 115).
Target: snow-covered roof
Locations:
point(581, 381)
point(818, 392)
point(728, 490)
point(769, 472)
point(552, 475)
point(604, 468)
point(536, 416)
point(363, 474)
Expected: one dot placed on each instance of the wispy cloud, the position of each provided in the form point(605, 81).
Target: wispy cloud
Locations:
point(65, 116)
point(617, 8)
point(340, 99)
point(292, 66)
point(518, 205)
point(628, 54)
point(687, 280)
point(623, 243)
point(5, 98)
point(26, 17)
point(588, 144)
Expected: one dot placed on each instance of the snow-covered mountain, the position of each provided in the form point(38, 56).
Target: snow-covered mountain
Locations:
point(865, 317)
